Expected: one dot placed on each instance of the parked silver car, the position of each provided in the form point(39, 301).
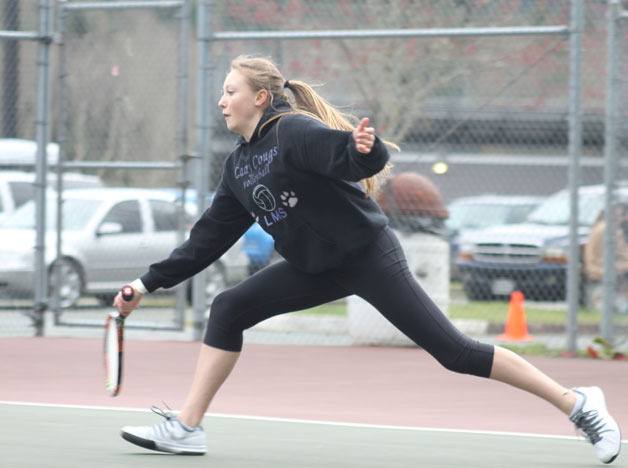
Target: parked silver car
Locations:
point(110, 236)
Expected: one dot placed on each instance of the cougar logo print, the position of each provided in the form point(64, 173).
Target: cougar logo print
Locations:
point(264, 198)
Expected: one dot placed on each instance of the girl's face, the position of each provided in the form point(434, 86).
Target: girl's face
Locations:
point(240, 105)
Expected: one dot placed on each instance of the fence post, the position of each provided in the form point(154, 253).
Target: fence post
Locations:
point(40, 278)
point(62, 125)
point(182, 137)
point(575, 148)
point(610, 169)
point(203, 136)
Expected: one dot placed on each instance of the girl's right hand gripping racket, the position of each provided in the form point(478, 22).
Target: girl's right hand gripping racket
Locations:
point(114, 346)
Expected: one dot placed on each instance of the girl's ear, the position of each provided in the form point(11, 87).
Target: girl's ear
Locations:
point(261, 97)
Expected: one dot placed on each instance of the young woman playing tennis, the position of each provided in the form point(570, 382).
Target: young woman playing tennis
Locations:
point(305, 174)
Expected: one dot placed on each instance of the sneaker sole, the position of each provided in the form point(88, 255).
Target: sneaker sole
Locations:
point(617, 454)
point(150, 445)
point(611, 460)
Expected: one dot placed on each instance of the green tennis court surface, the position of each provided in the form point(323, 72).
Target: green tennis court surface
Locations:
point(47, 436)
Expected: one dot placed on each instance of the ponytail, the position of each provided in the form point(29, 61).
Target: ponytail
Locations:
point(310, 103)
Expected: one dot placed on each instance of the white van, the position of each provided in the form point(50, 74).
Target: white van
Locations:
point(15, 152)
point(17, 173)
point(17, 187)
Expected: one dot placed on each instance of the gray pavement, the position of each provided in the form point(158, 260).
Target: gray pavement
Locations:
point(41, 436)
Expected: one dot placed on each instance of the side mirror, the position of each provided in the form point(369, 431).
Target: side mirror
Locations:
point(108, 229)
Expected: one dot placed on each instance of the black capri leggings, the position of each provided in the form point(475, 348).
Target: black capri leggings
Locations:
point(379, 274)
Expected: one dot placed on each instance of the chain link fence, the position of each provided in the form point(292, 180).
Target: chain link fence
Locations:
point(120, 70)
point(122, 98)
point(475, 93)
point(606, 282)
point(18, 104)
point(483, 118)
point(19, 70)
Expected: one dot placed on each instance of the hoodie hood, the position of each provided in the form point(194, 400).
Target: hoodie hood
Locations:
point(279, 106)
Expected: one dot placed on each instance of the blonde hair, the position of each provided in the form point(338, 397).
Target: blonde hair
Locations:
point(262, 73)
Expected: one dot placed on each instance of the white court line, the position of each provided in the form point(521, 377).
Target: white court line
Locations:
point(307, 421)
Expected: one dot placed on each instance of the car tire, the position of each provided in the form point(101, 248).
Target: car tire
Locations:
point(71, 282)
point(216, 283)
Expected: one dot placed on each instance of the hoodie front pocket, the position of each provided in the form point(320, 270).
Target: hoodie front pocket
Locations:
point(308, 250)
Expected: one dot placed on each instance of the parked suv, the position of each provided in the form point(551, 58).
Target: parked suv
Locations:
point(470, 214)
point(531, 256)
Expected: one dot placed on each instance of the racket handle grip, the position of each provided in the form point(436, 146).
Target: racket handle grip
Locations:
point(127, 293)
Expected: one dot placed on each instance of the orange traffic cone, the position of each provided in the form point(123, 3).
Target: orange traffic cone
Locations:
point(516, 323)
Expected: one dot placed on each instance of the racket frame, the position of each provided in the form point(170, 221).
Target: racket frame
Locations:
point(116, 319)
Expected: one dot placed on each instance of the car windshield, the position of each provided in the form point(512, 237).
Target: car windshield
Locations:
point(555, 210)
point(477, 216)
point(76, 215)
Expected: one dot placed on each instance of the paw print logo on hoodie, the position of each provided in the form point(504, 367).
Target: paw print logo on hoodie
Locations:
point(289, 198)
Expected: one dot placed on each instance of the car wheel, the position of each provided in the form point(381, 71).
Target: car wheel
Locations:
point(216, 281)
point(66, 280)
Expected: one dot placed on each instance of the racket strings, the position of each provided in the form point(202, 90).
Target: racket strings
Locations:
point(113, 355)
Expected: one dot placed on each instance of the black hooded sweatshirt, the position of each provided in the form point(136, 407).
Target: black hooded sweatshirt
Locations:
point(299, 180)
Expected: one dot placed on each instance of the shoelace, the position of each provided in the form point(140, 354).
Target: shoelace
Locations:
point(165, 428)
point(591, 425)
point(169, 415)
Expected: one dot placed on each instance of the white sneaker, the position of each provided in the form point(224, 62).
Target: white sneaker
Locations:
point(597, 425)
point(168, 436)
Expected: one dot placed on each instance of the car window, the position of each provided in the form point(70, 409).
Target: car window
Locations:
point(164, 215)
point(127, 214)
point(76, 214)
point(518, 214)
point(21, 192)
point(588, 208)
point(555, 210)
point(476, 216)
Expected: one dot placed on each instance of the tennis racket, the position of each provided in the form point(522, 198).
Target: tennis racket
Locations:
point(114, 346)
